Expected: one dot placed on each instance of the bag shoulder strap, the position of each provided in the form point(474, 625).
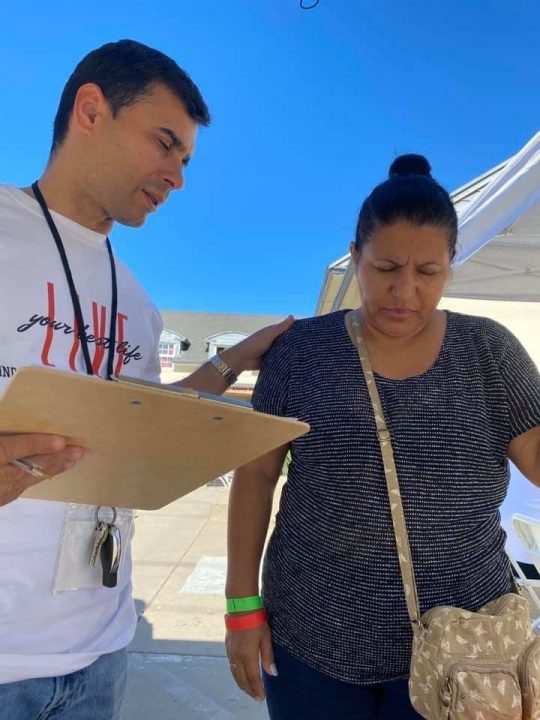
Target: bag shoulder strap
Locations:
point(390, 472)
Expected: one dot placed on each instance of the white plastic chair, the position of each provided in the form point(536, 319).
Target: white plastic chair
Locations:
point(227, 478)
point(224, 480)
point(527, 530)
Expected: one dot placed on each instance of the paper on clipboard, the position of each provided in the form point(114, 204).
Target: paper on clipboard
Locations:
point(146, 444)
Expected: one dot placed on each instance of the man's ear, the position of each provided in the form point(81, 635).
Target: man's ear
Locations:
point(89, 106)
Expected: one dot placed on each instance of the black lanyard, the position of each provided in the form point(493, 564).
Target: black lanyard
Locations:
point(81, 329)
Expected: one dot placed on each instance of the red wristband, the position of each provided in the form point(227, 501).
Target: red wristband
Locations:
point(246, 622)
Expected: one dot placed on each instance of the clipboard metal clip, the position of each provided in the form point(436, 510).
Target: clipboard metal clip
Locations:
point(126, 380)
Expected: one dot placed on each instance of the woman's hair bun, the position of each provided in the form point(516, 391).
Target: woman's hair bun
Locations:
point(410, 165)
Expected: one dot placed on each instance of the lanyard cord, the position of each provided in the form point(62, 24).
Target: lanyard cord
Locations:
point(81, 330)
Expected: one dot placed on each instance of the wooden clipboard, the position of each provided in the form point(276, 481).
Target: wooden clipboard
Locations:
point(146, 444)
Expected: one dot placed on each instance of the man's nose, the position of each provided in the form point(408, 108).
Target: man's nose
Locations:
point(174, 176)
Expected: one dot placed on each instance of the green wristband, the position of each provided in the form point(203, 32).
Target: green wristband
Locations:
point(253, 602)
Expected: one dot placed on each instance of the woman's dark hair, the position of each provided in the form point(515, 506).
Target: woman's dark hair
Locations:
point(409, 194)
point(124, 71)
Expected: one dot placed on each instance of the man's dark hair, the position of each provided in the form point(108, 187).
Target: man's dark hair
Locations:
point(124, 71)
point(409, 194)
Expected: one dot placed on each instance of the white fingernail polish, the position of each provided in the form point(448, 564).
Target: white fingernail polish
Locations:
point(273, 670)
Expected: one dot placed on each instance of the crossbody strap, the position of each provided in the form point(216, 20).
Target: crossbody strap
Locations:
point(390, 473)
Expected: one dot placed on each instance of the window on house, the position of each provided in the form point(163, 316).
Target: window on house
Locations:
point(220, 342)
point(167, 352)
point(167, 349)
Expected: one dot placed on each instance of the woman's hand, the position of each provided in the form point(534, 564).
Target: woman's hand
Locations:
point(247, 650)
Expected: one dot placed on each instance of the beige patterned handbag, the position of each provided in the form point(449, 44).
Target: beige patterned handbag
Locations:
point(482, 665)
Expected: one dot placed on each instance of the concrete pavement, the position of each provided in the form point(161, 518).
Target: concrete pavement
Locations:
point(178, 667)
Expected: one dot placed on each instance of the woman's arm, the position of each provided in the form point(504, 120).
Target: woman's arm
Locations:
point(524, 452)
point(250, 507)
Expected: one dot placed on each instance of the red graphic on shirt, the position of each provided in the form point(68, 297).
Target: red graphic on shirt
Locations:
point(121, 342)
point(97, 338)
point(76, 345)
point(50, 330)
point(99, 325)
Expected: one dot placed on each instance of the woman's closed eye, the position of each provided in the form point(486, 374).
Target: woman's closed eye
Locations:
point(429, 270)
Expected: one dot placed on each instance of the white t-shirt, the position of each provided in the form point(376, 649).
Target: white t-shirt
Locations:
point(523, 497)
point(44, 633)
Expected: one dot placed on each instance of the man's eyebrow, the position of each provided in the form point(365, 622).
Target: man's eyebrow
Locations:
point(174, 137)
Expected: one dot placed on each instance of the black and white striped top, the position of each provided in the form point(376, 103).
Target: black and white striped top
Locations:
point(331, 578)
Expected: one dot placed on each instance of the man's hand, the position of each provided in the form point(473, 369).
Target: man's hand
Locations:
point(247, 355)
point(50, 452)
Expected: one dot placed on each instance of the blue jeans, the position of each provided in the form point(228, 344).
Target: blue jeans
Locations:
point(301, 693)
point(93, 693)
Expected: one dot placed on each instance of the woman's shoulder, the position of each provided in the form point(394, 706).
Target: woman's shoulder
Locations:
point(321, 323)
point(481, 329)
point(305, 335)
point(308, 328)
point(478, 323)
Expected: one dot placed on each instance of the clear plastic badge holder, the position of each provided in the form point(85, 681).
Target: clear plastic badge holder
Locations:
point(73, 569)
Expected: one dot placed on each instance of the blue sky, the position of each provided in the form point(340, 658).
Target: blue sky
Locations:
point(309, 108)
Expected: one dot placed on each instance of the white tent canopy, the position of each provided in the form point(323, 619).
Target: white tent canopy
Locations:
point(499, 231)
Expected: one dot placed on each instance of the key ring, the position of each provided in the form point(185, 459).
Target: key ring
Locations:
point(105, 521)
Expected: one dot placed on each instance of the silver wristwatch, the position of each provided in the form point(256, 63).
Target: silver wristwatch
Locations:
point(223, 369)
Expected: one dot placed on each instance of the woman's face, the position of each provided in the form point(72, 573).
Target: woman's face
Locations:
point(402, 273)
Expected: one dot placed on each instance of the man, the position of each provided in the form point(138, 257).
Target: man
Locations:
point(125, 130)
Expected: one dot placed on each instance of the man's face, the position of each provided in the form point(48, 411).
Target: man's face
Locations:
point(140, 155)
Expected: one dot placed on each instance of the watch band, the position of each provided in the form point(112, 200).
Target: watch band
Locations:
point(223, 369)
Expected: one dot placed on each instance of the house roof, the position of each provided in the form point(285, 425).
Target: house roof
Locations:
point(199, 327)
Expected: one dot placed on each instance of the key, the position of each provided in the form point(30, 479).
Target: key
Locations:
point(111, 552)
point(117, 547)
point(100, 533)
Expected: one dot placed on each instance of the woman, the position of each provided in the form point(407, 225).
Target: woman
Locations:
point(460, 397)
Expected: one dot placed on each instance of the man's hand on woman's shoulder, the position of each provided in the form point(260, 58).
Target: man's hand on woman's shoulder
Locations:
point(247, 355)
